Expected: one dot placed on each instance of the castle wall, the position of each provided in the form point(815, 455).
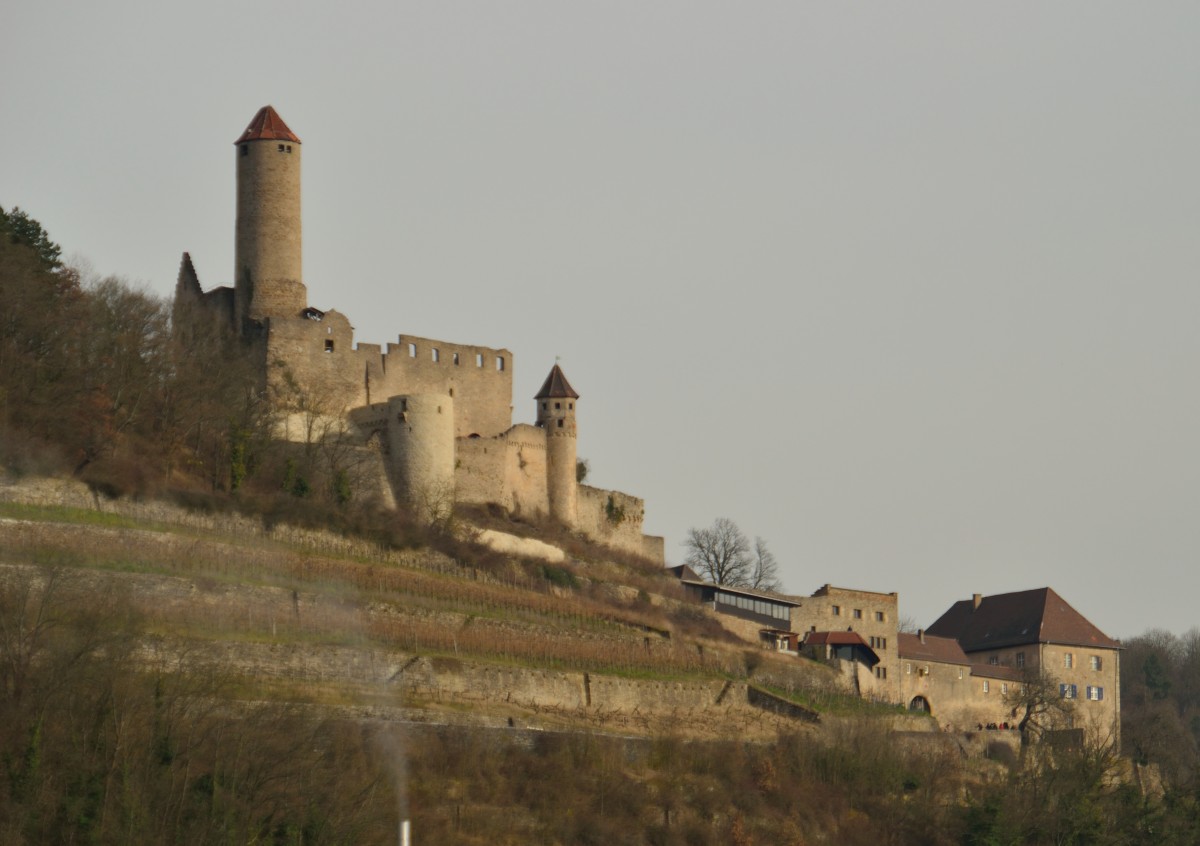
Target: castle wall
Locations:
point(479, 379)
point(616, 519)
point(509, 469)
point(525, 470)
point(955, 697)
point(318, 358)
point(479, 470)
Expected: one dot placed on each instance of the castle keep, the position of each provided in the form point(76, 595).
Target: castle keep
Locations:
point(435, 416)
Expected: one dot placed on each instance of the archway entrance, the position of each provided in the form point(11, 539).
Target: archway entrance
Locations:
point(920, 703)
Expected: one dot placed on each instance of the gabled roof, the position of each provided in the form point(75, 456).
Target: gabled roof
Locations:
point(1012, 619)
point(267, 125)
point(684, 572)
point(837, 639)
point(944, 650)
point(556, 386)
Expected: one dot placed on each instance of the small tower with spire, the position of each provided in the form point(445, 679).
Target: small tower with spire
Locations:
point(556, 414)
point(268, 277)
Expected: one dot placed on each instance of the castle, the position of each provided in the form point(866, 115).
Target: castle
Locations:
point(434, 417)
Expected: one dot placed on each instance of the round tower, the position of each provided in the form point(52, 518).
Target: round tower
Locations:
point(556, 414)
point(421, 442)
point(268, 280)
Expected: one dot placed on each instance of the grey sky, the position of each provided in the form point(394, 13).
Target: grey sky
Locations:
point(907, 289)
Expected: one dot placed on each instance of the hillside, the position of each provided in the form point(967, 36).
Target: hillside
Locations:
point(197, 676)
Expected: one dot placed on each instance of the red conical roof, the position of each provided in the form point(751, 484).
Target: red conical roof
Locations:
point(267, 126)
point(556, 385)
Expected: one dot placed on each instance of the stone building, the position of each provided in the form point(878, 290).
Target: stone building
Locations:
point(1009, 637)
point(967, 670)
point(436, 415)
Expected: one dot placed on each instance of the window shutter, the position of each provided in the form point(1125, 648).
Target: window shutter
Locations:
point(1100, 694)
point(1062, 691)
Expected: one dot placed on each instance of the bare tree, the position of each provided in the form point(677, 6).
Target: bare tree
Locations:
point(764, 569)
point(1040, 702)
point(721, 553)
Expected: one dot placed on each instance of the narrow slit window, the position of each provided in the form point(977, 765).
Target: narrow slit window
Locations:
point(245, 149)
point(434, 354)
point(479, 359)
point(412, 350)
point(454, 358)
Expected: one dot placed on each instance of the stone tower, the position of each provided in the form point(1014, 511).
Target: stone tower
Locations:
point(556, 414)
point(268, 280)
point(421, 439)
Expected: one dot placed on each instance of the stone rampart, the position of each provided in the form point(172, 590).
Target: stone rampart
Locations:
point(615, 519)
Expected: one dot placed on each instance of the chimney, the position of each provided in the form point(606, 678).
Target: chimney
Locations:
point(921, 634)
point(977, 598)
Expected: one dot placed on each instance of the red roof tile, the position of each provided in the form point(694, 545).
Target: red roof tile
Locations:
point(1011, 619)
point(836, 638)
point(944, 650)
point(267, 125)
point(996, 671)
point(556, 385)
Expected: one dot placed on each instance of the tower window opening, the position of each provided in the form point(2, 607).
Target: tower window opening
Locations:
point(245, 149)
point(329, 345)
point(500, 363)
point(557, 406)
point(437, 356)
point(281, 148)
point(571, 406)
point(479, 359)
point(289, 148)
point(412, 350)
point(439, 409)
point(455, 359)
point(560, 424)
point(544, 406)
point(451, 392)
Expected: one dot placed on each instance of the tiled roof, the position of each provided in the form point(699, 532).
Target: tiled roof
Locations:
point(267, 125)
point(837, 639)
point(1012, 619)
point(944, 650)
point(556, 385)
point(996, 671)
